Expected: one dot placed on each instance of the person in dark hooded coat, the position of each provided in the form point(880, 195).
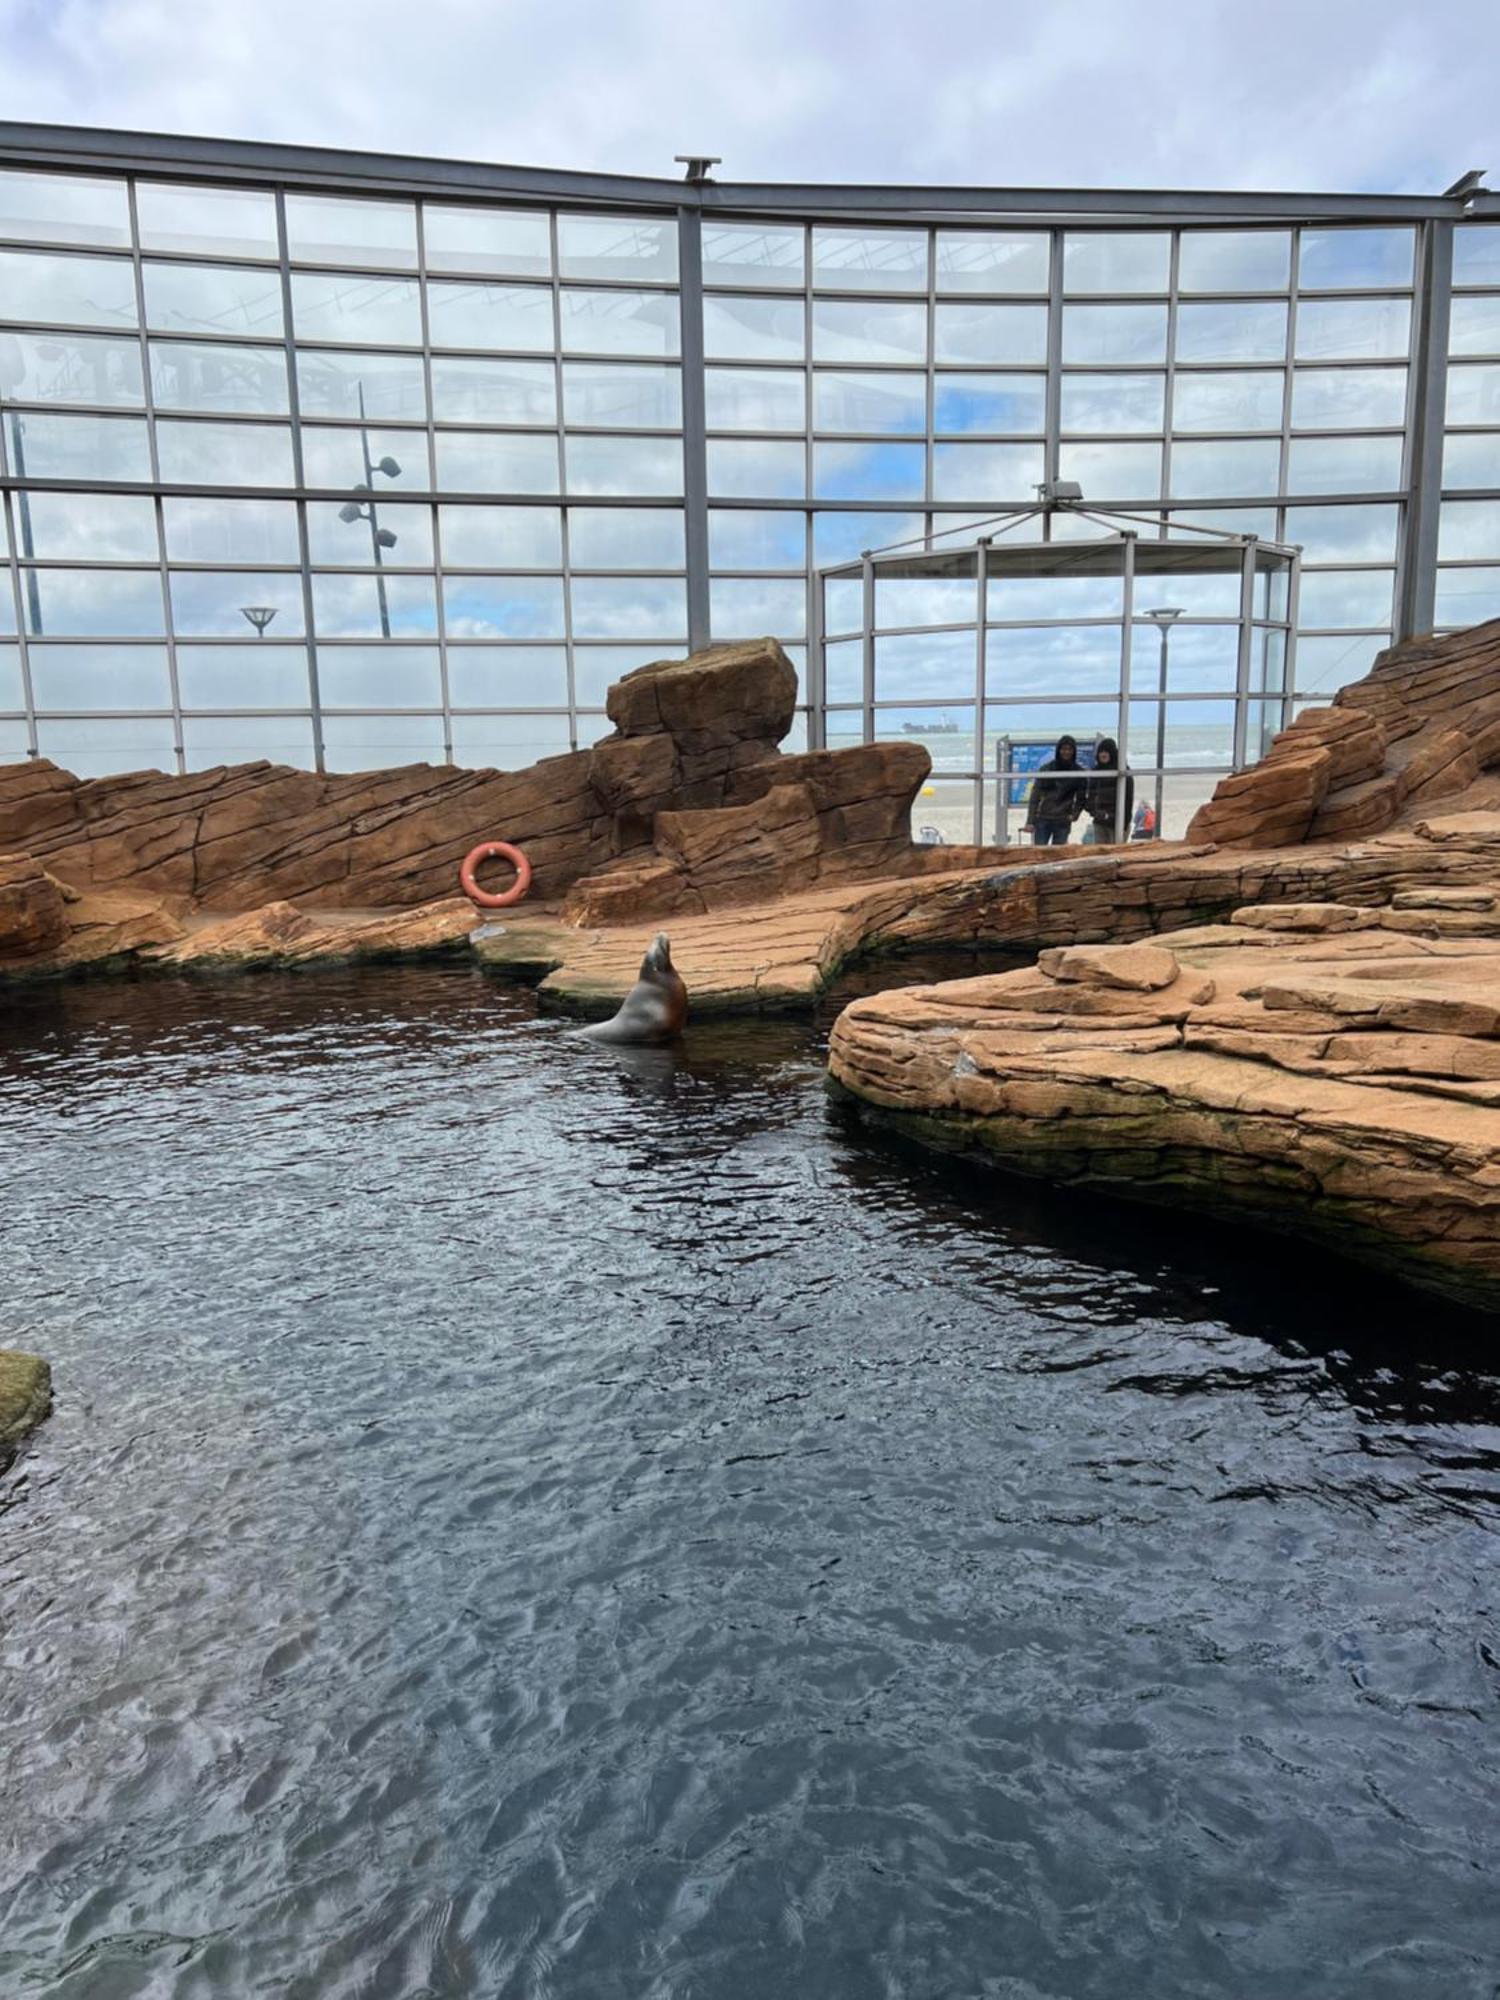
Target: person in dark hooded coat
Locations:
point(1099, 796)
point(1056, 796)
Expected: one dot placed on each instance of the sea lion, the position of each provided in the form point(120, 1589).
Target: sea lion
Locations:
point(654, 1009)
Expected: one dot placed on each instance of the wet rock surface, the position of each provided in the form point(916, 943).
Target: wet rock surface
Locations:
point(25, 1398)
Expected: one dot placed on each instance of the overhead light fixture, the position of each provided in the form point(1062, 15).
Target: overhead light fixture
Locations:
point(1059, 493)
point(260, 616)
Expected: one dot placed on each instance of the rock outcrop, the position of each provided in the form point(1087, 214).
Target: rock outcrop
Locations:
point(1330, 1070)
point(25, 1399)
point(281, 937)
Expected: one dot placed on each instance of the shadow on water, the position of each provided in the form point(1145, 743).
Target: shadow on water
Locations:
point(531, 1519)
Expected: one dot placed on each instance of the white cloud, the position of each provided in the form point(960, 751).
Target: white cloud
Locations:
point(1347, 94)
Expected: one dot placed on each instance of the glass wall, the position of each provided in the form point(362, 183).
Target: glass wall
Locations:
point(350, 479)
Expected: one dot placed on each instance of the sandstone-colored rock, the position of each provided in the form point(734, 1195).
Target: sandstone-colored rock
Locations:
point(1139, 968)
point(1305, 917)
point(33, 916)
point(25, 1398)
point(281, 936)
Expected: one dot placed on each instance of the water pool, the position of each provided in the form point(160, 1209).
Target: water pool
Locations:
point(525, 1519)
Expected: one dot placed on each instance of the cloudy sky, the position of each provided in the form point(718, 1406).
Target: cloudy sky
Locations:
point(1316, 94)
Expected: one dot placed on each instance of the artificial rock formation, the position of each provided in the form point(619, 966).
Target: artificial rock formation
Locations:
point(25, 1398)
point(1333, 1070)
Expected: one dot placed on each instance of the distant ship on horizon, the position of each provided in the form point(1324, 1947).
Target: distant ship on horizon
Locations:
point(947, 727)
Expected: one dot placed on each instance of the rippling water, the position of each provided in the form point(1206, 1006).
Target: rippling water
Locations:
point(525, 1519)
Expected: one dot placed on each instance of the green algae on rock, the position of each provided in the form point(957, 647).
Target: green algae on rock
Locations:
point(25, 1398)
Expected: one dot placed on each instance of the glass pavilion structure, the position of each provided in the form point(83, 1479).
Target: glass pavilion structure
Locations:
point(350, 460)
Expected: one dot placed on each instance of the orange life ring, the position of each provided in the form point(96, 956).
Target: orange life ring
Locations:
point(517, 888)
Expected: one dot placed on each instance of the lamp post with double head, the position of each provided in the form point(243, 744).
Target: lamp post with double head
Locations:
point(355, 510)
point(1164, 617)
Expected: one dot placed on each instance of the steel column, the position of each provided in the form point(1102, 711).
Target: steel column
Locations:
point(1417, 587)
point(694, 424)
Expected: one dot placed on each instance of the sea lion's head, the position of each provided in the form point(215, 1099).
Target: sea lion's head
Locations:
point(659, 957)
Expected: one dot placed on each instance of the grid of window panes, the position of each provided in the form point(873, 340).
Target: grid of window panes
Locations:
point(1468, 578)
point(382, 406)
point(436, 446)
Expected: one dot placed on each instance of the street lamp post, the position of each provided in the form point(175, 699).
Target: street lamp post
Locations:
point(1163, 618)
point(380, 538)
point(260, 616)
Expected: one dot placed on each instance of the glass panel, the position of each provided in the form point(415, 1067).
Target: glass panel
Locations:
point(1343, 465)
point(1114, 333)
point(1005, 403)
point(101, 677)
point(844, 680)
point(1234, 260)
point(1339, 329)
point(94, 603)
point(1472, 460)
point(219, 377)
point(1343, 534)
point(350, 457)
point(1113, 402)
point(1475, 326)
point(1228, 402)
point(214, 222)
point(1113, 471)
point(489, 462)
point(992, 260)
point(1476, 254)
point(989, 474)
point(246, 739)
point(390, 385)
point(625, 538)
point(597, 668)
point(617, 246)
point(924, 600)
point(1254, 332)
point(503, 607)
point(95, 749)
point(989, 334)
point(507, 676)
point(751, 253)
point(102, 527)
point(508, 742)
point(745, 538)
point(843, 606)
point(334, 305)
point(1474, 395)
point(1467, 596)
point(1332, 597)
point(755, 470)
point(240, 454)
point(1348, 398)
point(492, 537)
point(1325, 665)
point(869, 472)
point(755, 399)
point(1015, 599)
point(381, 742)
point(371, 607)
point(629, 607)
point(494, 392)
point(71, 368)
point(917, 666)
point(510, 242)
point(213, 298)
point(844, 537)
point(747, 607)
point(1225, 468)
point(231, 531)
point(209, 604)
point(259, 675)
point(632, 396)
point(1469, 530)
point(76, 447)
point(1344, 259)
point(624, 465)
point(327, 229)
point(1055, 660)
point(491, 316)
point(863, 330)
point(1199, 659)
point(879, 403)
point(753, 329)
point(12, 696)
point(869, 260)
point(1097, 260)
point(376, 676)
point(74, 291)
point(64, 208)
point(620, 323)
point(351, 543)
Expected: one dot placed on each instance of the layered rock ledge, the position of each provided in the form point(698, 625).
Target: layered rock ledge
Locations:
point(1327, 1069)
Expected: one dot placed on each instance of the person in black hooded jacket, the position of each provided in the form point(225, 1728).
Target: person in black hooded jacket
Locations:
point(1099, 796)
point(1056, 797)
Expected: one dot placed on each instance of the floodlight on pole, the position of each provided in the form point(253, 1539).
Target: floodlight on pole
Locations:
point(1164, 617)
point(260, 616)
point(353, 510)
